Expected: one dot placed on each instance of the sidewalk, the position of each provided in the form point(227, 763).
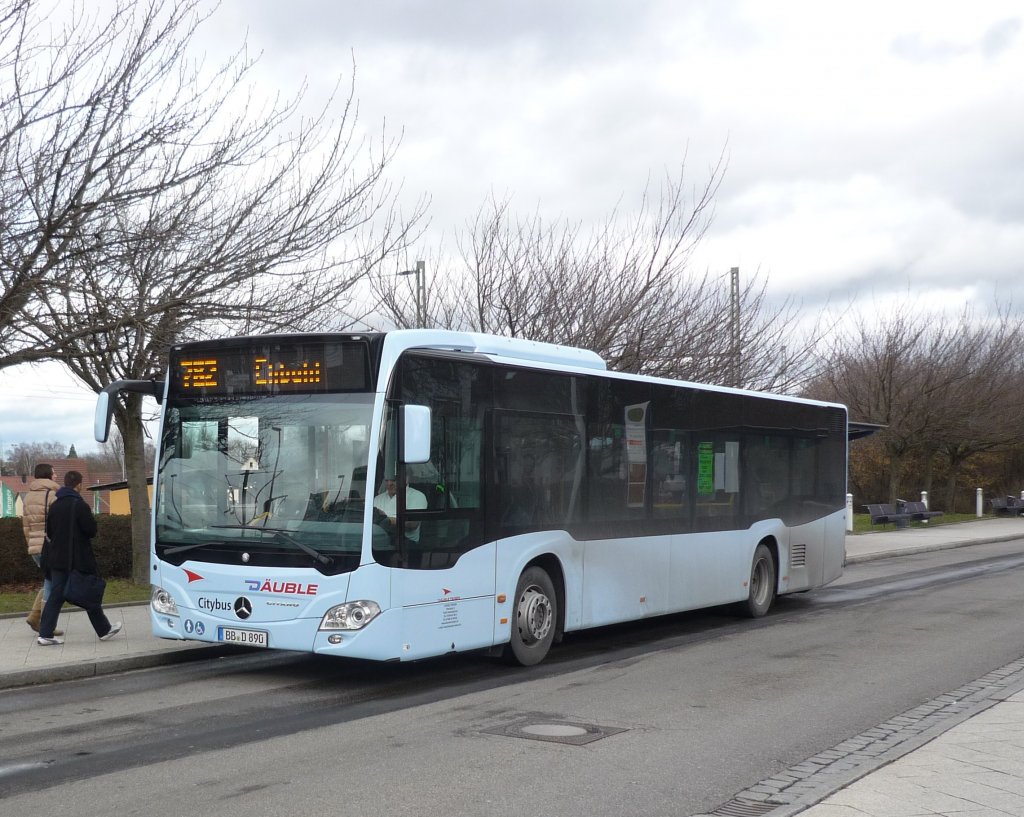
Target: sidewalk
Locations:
point(82, 655)
point(891, 542)
point(974, 769)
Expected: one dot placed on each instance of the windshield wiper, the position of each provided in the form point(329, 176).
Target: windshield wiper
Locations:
point(193, 546)
point(286, 536)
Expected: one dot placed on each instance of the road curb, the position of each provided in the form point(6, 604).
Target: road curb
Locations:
point(71, 607)
point(109, 666)
point(909, 551)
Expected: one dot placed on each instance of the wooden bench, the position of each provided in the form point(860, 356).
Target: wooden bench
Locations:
point(884, 514)
point(919, 511)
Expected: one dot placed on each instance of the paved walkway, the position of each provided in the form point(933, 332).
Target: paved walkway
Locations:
point(974, 769)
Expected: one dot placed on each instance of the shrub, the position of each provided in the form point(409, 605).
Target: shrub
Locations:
point(112, 546)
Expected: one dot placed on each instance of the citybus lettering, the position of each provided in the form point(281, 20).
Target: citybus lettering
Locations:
point(212, 604)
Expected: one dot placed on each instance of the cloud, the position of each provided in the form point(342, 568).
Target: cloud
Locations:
point(44, 403)
point(873, 150)
point(865, 233)
point(567, 31)
point(994, 41)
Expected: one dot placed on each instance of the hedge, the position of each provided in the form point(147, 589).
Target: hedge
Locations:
point(112, 546)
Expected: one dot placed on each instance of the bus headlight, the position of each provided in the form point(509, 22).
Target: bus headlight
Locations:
point(351, 616)
point(163, 602)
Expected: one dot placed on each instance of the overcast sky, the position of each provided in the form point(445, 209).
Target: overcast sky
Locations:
point(874, 150)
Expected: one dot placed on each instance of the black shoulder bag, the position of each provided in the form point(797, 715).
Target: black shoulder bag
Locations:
point(84, 590)
point(46, 512)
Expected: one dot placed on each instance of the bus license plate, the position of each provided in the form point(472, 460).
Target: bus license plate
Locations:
point(247, 638)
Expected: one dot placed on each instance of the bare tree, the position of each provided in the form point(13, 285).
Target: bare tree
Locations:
point(185, 205)
point(983, 402)
point(942, 386)
point(66, 157)
point(624, 290)
point(22, 458)
point(110, 457)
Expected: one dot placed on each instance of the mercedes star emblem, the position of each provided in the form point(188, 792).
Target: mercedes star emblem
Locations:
point(243, 607)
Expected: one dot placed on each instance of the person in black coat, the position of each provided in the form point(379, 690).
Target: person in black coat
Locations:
point(70, 527)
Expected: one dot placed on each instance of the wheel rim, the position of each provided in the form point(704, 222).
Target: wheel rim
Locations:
point(533, 615)
point(760, 581)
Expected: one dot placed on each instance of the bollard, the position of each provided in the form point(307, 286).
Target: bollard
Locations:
point(980, 504)
point(849, 513)
point(924, 499)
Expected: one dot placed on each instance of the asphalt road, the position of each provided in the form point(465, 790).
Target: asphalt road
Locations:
point(684, 711)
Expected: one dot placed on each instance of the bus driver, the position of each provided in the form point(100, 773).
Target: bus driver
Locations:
point(387, 503)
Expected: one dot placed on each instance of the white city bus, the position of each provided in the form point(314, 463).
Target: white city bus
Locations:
point(542, 494)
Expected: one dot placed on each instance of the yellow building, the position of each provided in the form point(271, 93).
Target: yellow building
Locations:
point(118, 495)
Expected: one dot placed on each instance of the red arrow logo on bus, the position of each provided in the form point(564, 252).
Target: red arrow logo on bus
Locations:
point(192, 577)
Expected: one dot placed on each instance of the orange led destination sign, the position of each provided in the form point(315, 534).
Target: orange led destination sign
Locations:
point(198, 374)
point(278, 374)
point(279, 368)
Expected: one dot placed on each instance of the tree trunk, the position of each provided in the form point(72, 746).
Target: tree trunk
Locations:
point(951, 488)
point(929, 472)
point(129, 422)
point(956, 456)
point(895, 473)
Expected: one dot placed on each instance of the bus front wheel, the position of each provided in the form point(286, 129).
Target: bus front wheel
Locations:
point(762, 583)
point(534, 616)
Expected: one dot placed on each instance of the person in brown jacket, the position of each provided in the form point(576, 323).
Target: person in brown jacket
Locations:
point(42, 491)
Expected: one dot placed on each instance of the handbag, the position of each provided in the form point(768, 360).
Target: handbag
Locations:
point(82, 589)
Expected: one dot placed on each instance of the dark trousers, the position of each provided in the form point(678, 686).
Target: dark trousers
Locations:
point(51, 610)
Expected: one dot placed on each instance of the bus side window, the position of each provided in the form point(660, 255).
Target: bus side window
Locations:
point(540, 462)
point(457, 393)
point(669, 455)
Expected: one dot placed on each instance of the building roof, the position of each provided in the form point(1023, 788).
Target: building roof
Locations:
point(120, 485)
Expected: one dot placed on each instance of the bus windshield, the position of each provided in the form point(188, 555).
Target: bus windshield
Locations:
point(274, 481)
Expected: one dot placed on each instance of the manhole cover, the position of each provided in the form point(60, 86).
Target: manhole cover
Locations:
point(554, 731)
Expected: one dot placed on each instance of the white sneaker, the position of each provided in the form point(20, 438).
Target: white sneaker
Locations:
point(55, 632)
point(114, 630)
point(49, 642)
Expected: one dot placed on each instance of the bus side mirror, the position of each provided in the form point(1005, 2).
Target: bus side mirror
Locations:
point(415, 434)
point(105, 404)
point(101, 422)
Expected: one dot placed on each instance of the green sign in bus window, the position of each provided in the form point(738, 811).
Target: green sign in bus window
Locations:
point(705, 469)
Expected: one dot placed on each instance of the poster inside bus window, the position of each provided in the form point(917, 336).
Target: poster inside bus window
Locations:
point(636, 454)
point(705, 469)
point(281, 368)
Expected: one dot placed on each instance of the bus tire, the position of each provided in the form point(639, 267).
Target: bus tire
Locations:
point(534, 618)
point(761, 588)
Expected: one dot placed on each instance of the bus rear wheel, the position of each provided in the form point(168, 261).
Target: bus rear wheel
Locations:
point(535, 614)
point(762, 583)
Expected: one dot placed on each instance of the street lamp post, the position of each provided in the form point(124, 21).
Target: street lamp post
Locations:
point(734, 315)
point(421, 273)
